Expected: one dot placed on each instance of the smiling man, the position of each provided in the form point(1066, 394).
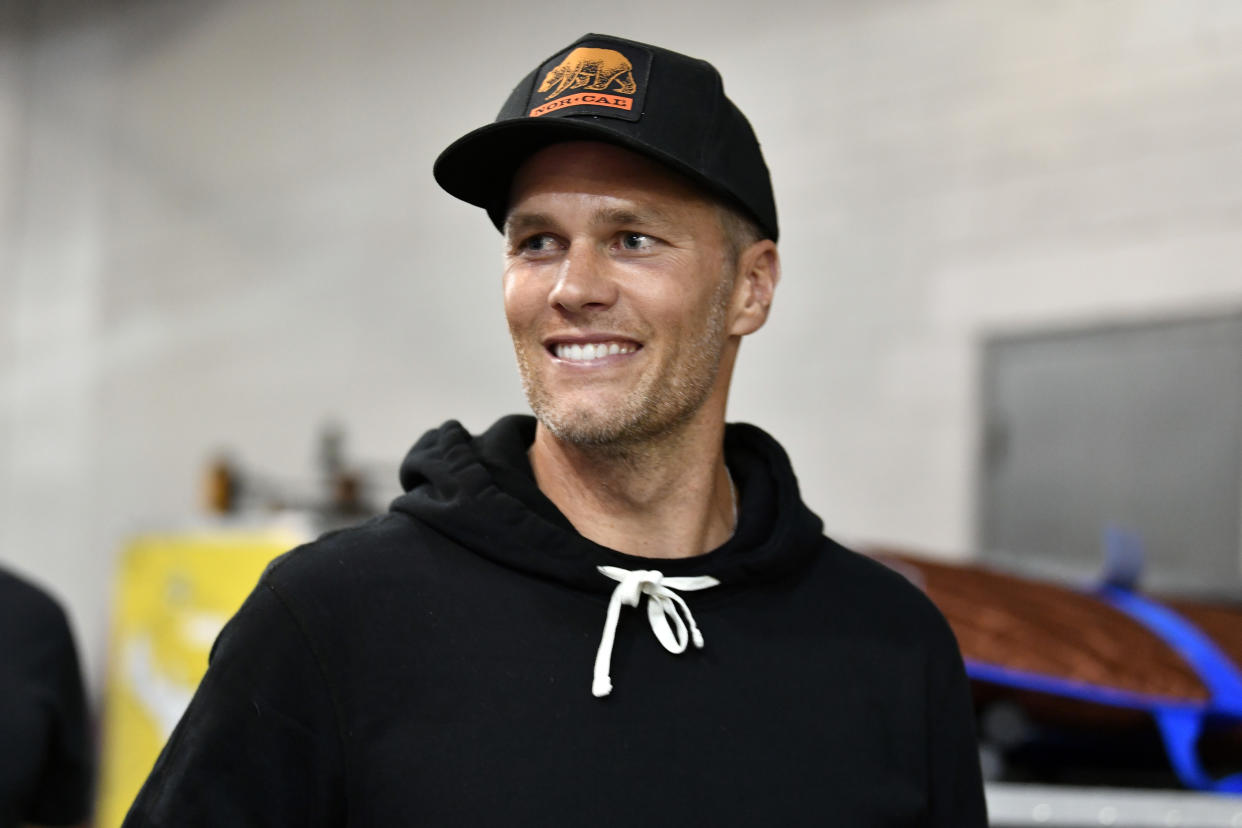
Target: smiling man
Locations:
point(471, 658)
point(626, 309)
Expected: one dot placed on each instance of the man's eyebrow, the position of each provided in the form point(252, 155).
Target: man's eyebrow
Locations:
point(518, 223)
point(642, 216)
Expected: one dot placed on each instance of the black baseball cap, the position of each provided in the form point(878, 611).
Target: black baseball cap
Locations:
point(661, 104)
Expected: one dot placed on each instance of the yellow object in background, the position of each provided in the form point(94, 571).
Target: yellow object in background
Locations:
point(175, 593)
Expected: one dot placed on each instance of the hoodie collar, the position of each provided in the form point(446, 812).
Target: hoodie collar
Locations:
point(480, 491)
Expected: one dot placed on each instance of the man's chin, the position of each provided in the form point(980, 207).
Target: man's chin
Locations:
point(590, 428)
point(582, 430)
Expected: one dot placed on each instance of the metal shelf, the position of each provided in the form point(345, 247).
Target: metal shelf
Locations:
point(1014, 805)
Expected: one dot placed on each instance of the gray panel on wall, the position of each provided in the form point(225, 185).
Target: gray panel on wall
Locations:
point(1137, 427)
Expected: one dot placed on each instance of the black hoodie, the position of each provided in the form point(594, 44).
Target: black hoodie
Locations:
point(434, 667)
point(45, 739)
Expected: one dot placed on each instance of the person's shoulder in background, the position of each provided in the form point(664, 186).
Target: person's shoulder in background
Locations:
point(46, 770)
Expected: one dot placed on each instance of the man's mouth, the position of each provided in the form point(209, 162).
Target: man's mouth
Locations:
point(576, 352)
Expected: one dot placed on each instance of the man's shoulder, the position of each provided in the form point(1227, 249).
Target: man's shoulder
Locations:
point(880, 594)
point(378, 549)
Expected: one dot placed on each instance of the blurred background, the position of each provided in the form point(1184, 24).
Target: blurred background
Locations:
point(1011, 312)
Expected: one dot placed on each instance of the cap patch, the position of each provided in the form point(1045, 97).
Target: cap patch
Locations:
point(593, 80)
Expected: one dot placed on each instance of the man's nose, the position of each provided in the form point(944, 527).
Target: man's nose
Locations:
point(584, 281)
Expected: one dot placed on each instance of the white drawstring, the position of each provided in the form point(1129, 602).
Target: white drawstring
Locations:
point(662, 605)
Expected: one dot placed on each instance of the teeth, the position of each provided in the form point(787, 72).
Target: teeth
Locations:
point(594, 350)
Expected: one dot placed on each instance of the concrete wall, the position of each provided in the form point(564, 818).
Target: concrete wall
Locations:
point(218, 228)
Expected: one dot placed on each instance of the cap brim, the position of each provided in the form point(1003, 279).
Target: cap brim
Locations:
point(478, 168)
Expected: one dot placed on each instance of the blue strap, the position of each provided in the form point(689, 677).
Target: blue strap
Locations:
point(1181, 726)
point(1180, 729)
point(1075, 688)
point(1212, 666)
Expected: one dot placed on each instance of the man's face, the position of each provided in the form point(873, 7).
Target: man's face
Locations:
point(616, 293)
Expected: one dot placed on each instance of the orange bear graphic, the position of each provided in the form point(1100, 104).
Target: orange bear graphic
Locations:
point(594, 69)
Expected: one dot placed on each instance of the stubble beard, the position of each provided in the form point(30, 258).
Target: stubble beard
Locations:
point(656, 410)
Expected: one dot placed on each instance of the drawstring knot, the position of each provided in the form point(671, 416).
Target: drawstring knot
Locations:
point(662, 607)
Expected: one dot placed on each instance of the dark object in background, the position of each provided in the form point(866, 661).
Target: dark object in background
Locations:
point(45, 752)
point(1100, 687)
point(341, 497)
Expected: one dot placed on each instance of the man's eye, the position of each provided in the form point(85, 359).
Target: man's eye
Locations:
point(636, 241)
point(538, 243)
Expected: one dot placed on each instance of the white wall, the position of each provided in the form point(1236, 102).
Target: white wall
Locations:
point(218, 228)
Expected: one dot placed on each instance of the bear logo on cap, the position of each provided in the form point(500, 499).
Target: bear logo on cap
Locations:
point(592, 79)
point(594, 69)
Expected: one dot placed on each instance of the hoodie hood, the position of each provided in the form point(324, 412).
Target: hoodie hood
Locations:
point(480, 491)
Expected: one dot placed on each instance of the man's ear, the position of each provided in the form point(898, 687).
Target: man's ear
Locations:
point(758, 271)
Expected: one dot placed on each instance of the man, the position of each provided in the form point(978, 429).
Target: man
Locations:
point(45, 745)
point(470, 657)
